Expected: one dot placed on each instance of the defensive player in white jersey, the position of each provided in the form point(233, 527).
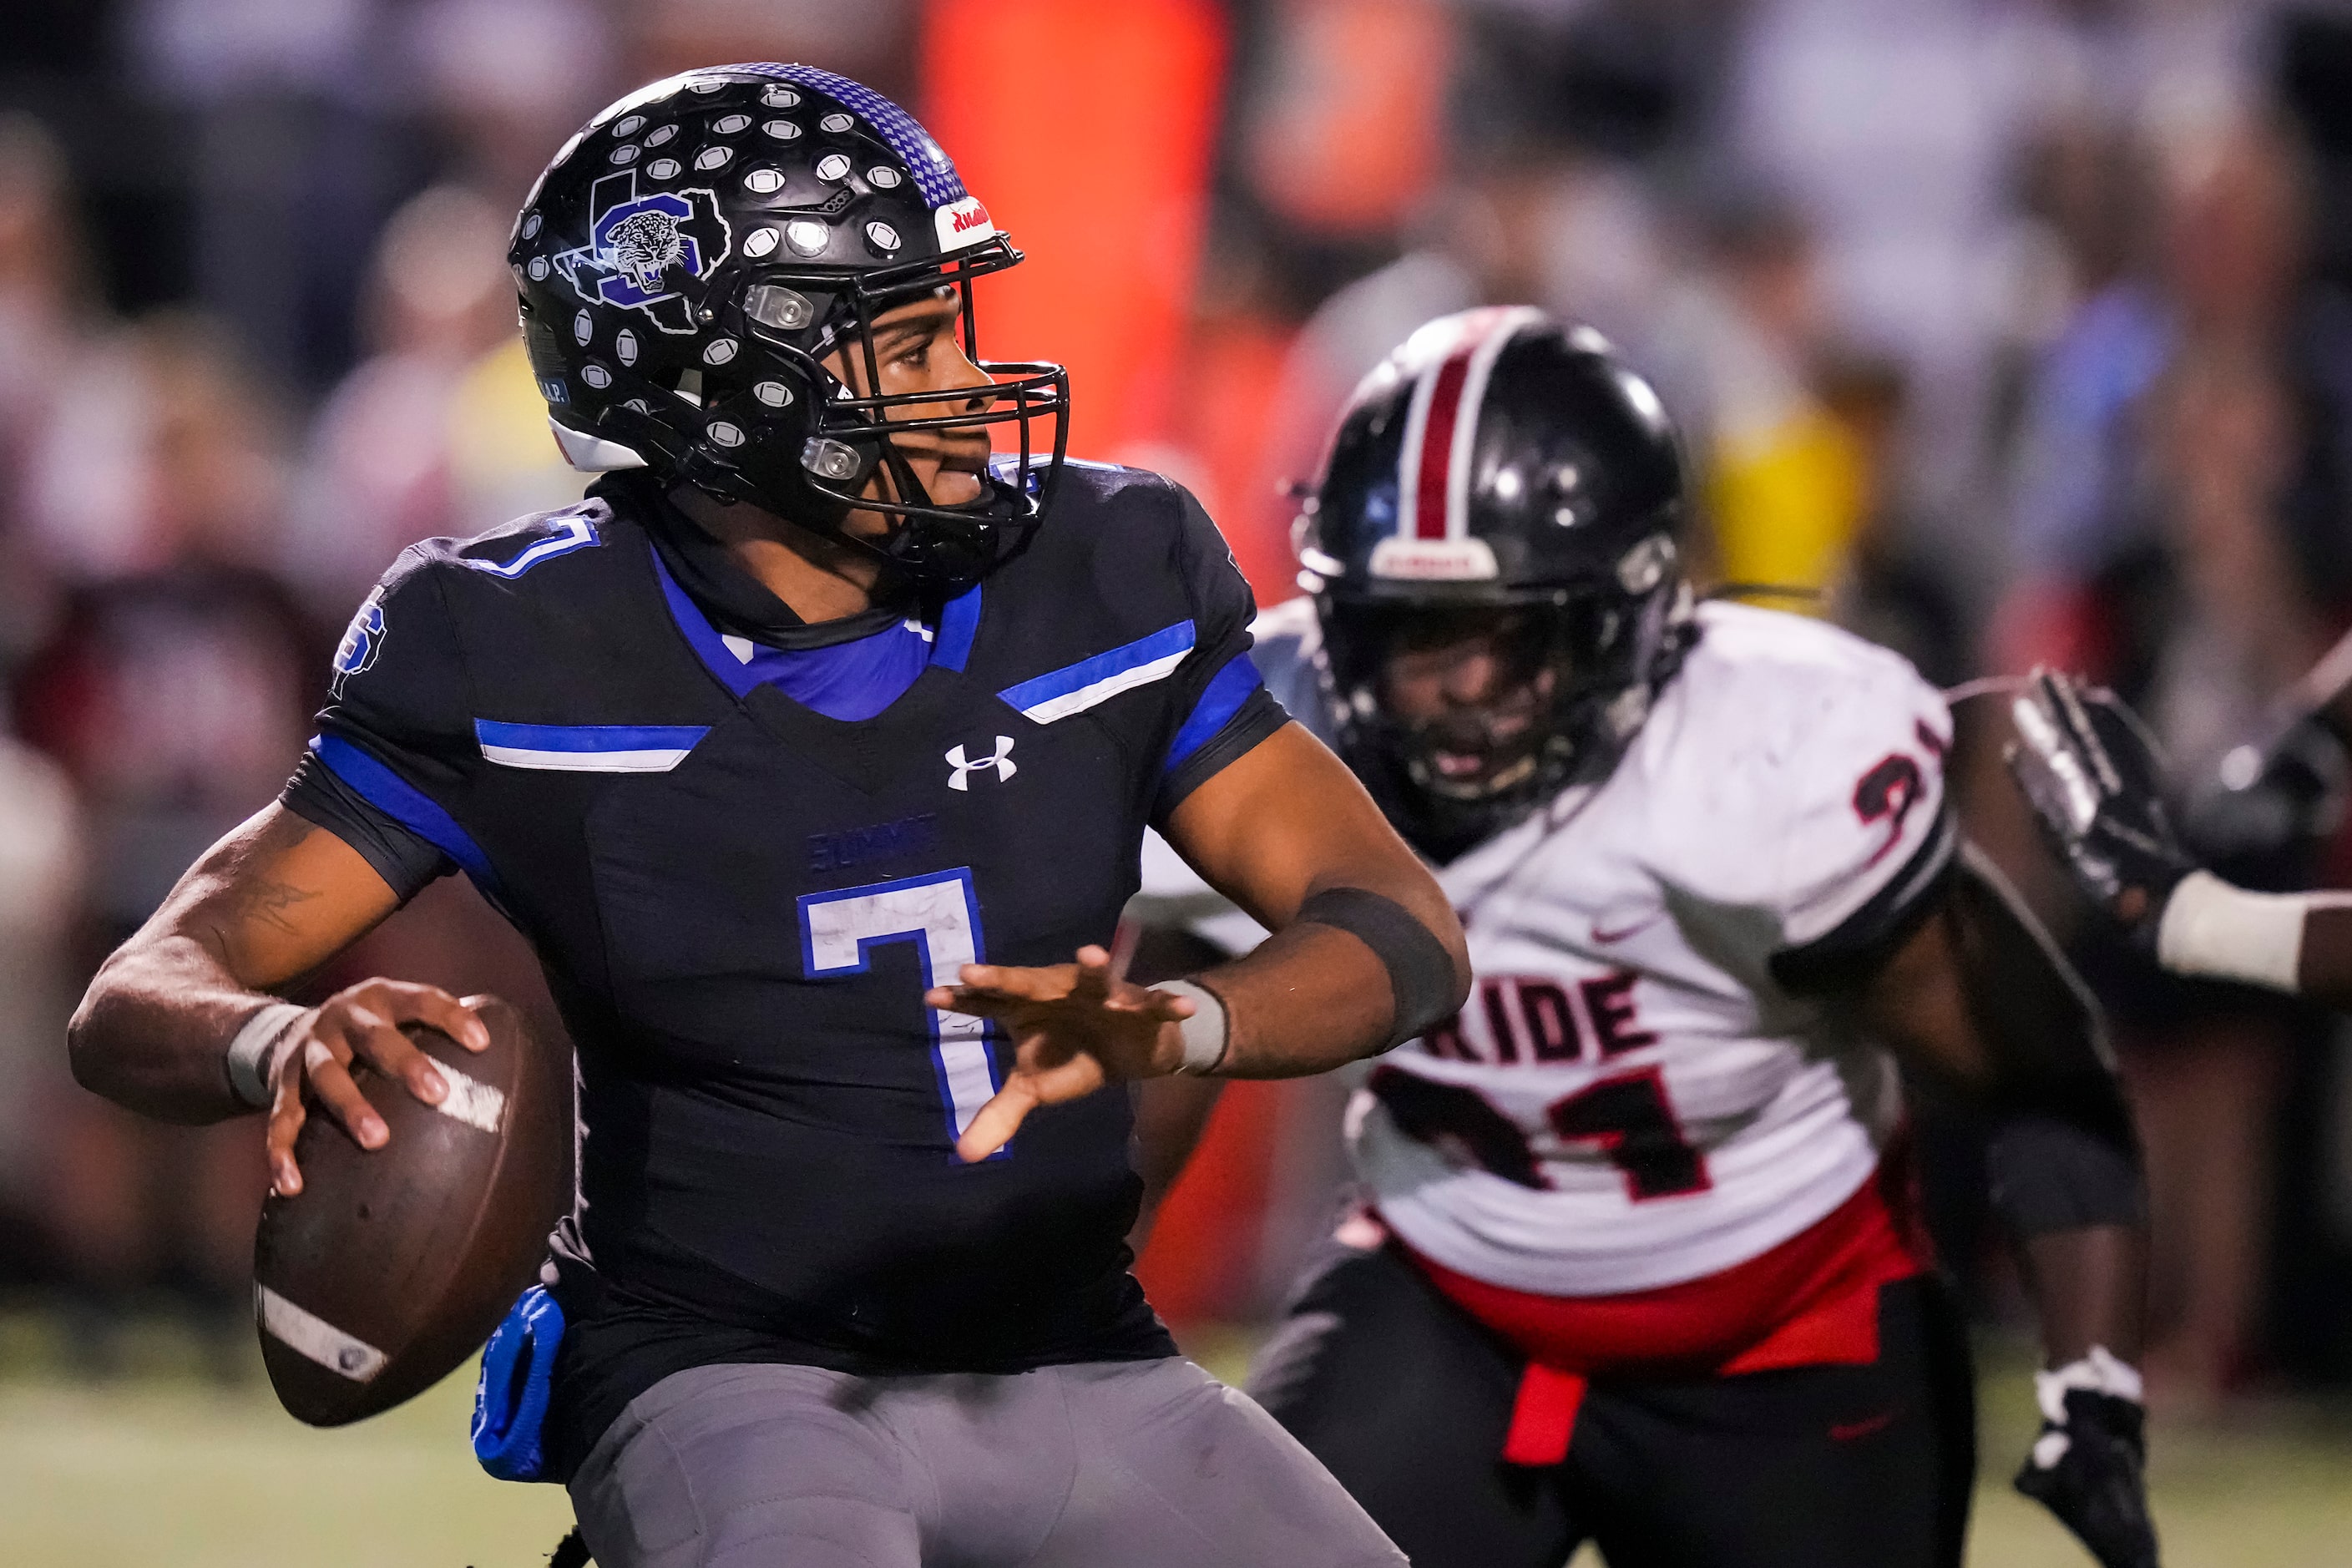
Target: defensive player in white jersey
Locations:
point(1639, 1261)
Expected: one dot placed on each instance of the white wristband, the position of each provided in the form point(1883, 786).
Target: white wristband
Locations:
point(1204, 1032)
point(2223, 933)
point(253, 1054)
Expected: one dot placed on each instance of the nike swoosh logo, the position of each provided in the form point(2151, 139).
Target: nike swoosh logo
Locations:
point(1622, 932)
point(1850, 1431)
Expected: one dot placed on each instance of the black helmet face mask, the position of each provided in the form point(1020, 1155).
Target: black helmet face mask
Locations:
point(700, 261)
point(1463, 698)
point(1470, 718)
point(1492, 547)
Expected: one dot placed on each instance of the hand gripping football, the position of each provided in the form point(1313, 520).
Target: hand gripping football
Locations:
point(390, 1268)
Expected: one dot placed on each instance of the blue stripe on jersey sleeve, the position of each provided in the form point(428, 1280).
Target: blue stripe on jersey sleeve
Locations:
point(590, 738)
point(1103, 670)
point(405, 804)
point(1222, 698)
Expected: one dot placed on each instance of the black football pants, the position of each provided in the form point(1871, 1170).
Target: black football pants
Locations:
point(1407, 1399)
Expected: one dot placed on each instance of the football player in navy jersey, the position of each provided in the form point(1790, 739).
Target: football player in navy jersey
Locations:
point(813, 751)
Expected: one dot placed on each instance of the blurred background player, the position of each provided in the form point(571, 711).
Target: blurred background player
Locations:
point(1639, 1261)
point(804, 750)
point(173, 680)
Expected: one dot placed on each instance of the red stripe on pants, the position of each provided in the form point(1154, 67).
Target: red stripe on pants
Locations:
point(1809, 1302)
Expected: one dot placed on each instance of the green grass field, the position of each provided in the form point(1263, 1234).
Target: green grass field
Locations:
point(164, 1468)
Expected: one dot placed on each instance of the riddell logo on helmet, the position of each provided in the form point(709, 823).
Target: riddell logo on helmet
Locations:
point(963, 223)
point(1434, 560)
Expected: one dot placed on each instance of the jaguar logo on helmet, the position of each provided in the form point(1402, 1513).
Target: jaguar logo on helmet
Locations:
point(637, 246)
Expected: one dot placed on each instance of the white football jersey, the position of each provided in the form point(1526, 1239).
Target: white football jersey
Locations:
point(1643, 1090)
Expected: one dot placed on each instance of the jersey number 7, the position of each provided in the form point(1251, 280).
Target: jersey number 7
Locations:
point(941, 914)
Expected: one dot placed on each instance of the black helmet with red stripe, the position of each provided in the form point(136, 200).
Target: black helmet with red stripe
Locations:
point(1504, 474)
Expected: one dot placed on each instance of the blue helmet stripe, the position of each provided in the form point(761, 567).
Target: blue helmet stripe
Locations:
point(934, 175)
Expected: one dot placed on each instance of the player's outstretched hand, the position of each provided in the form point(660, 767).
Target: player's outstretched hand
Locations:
point(2089, 771)
point(360, 1022)
point(1075, 1027)
point(2089, 1468)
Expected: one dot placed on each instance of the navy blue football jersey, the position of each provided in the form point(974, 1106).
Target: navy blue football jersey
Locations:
point(740, 901)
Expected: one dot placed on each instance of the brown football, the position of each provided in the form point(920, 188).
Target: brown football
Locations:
point(391, 1266)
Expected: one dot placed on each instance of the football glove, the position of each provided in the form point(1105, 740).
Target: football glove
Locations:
point(2089, 1466)
point(2088, 768)
point(2270, 815)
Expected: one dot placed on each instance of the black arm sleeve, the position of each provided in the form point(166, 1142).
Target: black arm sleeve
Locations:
point(1422, 978)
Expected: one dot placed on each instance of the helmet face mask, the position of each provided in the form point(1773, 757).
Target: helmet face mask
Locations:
point(1539, 541)
point(1567, 692)
point(702, 258)
point(858, 457)
point(1466, 693)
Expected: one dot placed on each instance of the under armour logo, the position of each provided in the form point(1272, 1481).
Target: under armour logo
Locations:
point(1001, 761)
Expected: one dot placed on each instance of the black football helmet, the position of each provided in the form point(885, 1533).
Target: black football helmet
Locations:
point(1501, 470)
point(694, 253)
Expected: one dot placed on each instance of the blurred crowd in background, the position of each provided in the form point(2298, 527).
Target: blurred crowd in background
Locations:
point(2002, 331)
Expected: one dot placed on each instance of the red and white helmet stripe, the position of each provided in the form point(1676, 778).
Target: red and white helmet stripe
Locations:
point(1442, 423)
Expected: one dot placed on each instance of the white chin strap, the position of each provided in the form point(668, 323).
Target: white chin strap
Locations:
point(592, 454)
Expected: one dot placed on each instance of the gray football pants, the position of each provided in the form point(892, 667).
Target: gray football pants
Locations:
point(1148, 1464)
